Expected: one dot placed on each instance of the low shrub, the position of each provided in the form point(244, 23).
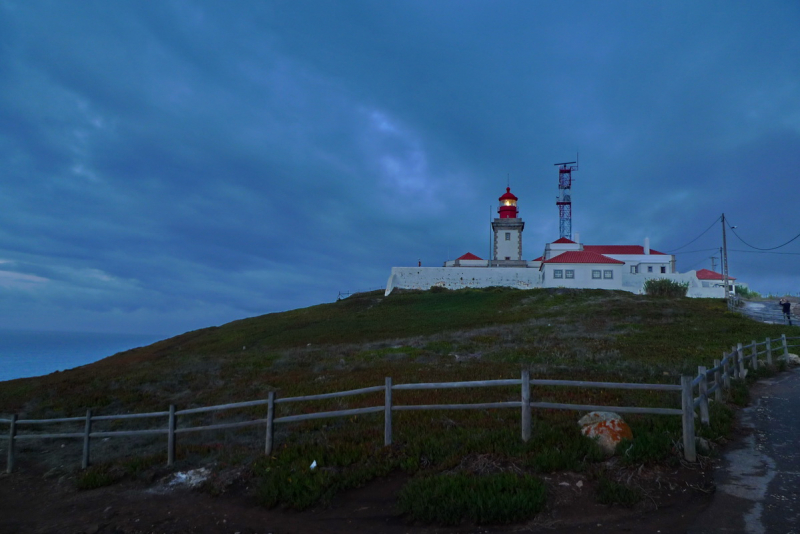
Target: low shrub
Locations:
point(450, 499)
point(98, 476)
point(663, 287)
point(611, 492)
point(739, 393)
point(654, 439)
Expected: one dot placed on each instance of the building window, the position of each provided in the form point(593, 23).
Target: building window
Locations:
point(508, 257)
point(569, 273)
point(706, 284)
point(608, 274)
point(649, 268)
point(663, 270)
point(508, 236)
point(634, 269)
point(596, 274)
point(558, 273)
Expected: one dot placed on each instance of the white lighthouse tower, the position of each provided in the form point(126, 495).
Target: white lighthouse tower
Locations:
point(508, 233)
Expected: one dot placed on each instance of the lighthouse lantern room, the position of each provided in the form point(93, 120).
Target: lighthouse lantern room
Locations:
point(508, 233)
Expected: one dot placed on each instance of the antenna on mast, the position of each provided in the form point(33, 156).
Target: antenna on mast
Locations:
point(564, 198)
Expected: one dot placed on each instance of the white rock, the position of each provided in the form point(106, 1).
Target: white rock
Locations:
point(608, 428)
point(595, 417)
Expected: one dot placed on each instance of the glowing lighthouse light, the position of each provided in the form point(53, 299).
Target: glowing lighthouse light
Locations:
point(508, 205)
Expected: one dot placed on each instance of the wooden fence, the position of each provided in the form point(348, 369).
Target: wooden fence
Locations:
point(732, 366)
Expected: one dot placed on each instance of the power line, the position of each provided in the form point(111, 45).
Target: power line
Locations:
point(759, 248)
point(699, 250)
point(763, 252)
point(698, 237)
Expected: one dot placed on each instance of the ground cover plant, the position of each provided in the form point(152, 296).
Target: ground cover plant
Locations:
point(450, 499)
point(411, 337)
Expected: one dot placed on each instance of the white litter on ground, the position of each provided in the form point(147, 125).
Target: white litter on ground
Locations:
point(181, 479)
point(192, 478)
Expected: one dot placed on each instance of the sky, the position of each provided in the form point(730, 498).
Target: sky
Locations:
point(172, 165)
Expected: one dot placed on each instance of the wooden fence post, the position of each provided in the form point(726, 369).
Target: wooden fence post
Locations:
point(12, 435)
point(734, 363)
point(740, 357)
point(754, 352)
point(703, 389)
point(171, 437)
point(526, 405)
point(717, 381)
point(726, 371)
point(270, 418)
point(785, 346)
point(769, 351)
point(87, 431)
point(687, 404)
point(387, 413)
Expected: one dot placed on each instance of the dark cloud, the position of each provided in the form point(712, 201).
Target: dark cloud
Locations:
point(173, 165)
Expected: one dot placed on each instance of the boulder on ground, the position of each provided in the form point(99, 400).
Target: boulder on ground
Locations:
point(608, 428)
point(792, 359)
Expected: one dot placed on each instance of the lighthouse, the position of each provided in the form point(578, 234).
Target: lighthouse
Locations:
point(508, 233)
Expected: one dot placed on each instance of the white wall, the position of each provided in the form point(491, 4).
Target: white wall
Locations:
point(527, 278)
point(583, 276)
point(461, 277)
point(467, 263)
point(635, 284)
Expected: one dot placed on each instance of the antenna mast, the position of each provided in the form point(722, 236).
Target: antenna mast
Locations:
point(564, 198)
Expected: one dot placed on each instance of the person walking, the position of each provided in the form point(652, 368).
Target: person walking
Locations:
point(787, 311)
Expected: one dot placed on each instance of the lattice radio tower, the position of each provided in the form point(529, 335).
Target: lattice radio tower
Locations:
point(564, 199)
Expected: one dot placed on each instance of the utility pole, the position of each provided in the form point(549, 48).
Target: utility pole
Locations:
point(724, 259)
point(714, 263)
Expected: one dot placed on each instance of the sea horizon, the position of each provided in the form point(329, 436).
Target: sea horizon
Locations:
point(28, 353)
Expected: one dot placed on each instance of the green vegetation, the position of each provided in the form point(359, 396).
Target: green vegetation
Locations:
point(747, 293)
point(450, 499)
point(611, 492)
point(412, 337)
point(97, 476)
point(662, 287)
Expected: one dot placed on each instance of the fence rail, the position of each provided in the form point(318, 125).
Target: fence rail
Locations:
point(732, 366)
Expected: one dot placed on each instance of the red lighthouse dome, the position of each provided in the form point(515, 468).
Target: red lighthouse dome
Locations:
point(508, 205)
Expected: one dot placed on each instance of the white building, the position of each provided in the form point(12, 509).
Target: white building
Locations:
point(564, 263)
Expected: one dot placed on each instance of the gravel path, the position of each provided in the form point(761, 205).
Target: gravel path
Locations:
point(758, 484)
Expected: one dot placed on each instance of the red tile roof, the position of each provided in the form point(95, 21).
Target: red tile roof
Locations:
point(575, 256)
point(469, 256)
point(619, 249)
point(706, 274)
point(564, 240)
point(540, 258)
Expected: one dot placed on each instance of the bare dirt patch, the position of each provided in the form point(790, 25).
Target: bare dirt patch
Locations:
point(35, 503)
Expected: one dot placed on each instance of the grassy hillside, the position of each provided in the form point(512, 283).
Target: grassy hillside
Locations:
point(412, 337)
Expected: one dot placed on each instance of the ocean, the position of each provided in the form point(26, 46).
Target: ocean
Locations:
point(25, 353)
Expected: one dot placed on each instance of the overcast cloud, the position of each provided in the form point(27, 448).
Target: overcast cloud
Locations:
point(172, 165)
